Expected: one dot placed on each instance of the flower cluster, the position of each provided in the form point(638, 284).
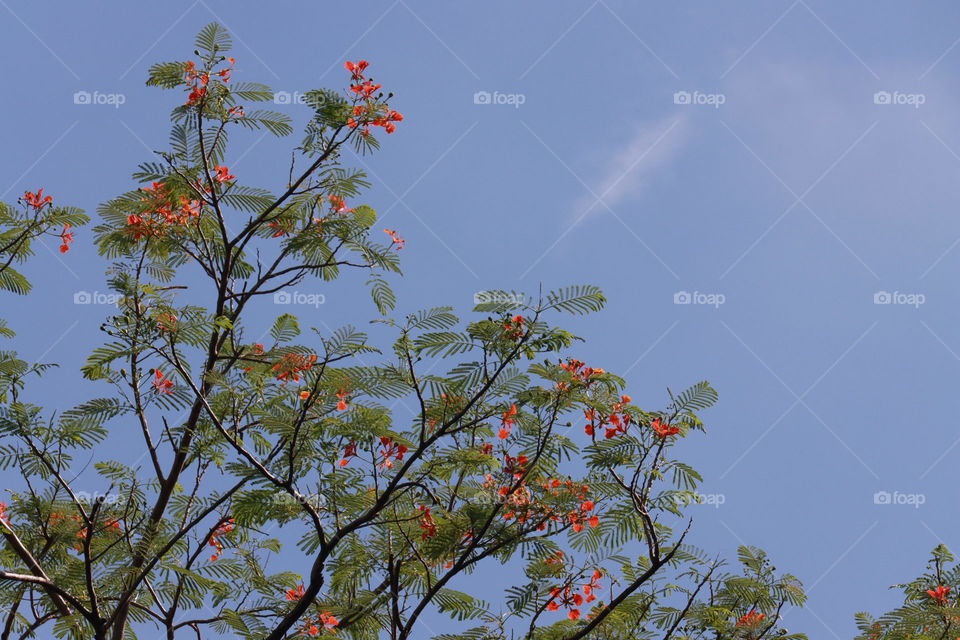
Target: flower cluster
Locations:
point(368, 108)
point(342, 396)
point(222, 529)
point(395, 241)
point(291, 364)
point(615, 423)
point(3, 513)
point(295, 594)
point(391, 452)
point(572, 598)
point(580, 373)
point(939, 595)
point(325, 621)
point(513, 328)
point(166, 322)
point(162, 384)
point(523, 508)
point(66, 237)
point(198, 81)
point(751, 619)
point(507, 422)
point(428, 527)
point(162, 212)
point(111, 524)
point(663, 430)
point(37, 200)
point(349, 451)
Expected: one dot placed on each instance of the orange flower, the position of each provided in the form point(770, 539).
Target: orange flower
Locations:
point(663, 429)
point(223, 175)
point(395, 240)
point(37, 200)
point(295, 594)
point(223, 528)
point(349, 451)
point(66, 237)
point(161, 384)
point(750, 619)
point(939, 595)
point(342, 397)
point(356, 68)
point(507, 422)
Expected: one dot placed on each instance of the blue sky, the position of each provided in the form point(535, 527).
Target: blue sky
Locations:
point(792, 163)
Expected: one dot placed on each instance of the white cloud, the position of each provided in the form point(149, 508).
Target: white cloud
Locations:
point(629, 169)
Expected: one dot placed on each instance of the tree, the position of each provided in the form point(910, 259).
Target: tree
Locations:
point(930, 610)
point(518, 454)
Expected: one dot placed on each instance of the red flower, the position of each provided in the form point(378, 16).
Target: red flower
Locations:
point(223, 528)
point(348, 452)
point(295, 594)
point(427, 524)
point(750, 619)
point(3, 513)
point(514, 327)
point(396, 240)
point(161, 384)
point(507, 422)
point(663, 429)
point(392, 451)
point(342, 396)
point(225, 73)
point(356, 69)
point(292, 364)
point(224, 175)
point(37, 200)
point(939, 594)
point(66, 237)
point(338, 205)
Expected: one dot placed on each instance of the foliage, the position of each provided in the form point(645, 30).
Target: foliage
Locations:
point(287, 451)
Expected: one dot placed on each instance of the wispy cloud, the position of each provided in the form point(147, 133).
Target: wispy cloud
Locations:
point(630, 167)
